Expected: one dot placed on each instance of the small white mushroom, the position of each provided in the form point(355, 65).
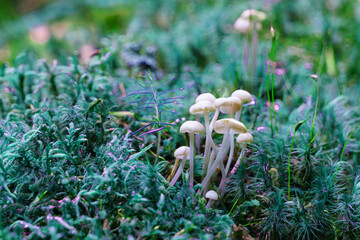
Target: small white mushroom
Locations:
point(250, 22)
point(205, 97)
point(230, 106)
point(192, 127)
point(248, 13)
point(225, 105)
point(245, 97)
point(212, 196)
point(182, 153)
point(244, 139)
point(242, 25)
point(205, 107)
point(224, 126)
point(248, 19)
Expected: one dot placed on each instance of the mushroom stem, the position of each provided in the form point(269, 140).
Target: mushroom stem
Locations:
point(208, 141)
point(174, 169)
point(222, 169)
point(231, 154)
point(209, 203)
point(178, 172)
point(191, 160)
point(198, 138)
point(211, 160)
point(254, 41)
point(212, 156)
point(246, 54)
point(231, 114)
point(220, 156)
point(238, 114)
point(215, 117)
point(232, 172)
point(239, 160)
point(214, 152)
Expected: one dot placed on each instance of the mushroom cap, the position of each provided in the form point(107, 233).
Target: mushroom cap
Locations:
point(192, 127)
point(226, 104)
point(243, 95)
point(212, 195)
point(244, 138)
point(242, 25)
point(253, 13)
point(205, 96)
point(181, 152)
point(201, 107)
point(234, 126)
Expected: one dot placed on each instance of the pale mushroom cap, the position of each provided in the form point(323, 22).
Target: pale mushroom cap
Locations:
point(220, 101)
point(244, 138)
point(230, 101)
point(192, 127)
point(205, 97)
point(253, 13)
point(234, 126)
point(226, 104)
point(181, 152)
point(243, 95)
point(212, 195)
point(201, 107)
point(242, 25)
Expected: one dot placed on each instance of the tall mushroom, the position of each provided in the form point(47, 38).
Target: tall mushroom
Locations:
point(202, 97)
point(250, 21)
point(182, 153)
point(192, 127)
point(231, 106)
point(224, 126)
point(242, 139)
point(228, 105)
point(204, 107)
point(244, 96)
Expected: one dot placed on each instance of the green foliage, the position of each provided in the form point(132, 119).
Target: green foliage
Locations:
point(77, 156)
point(69, 171)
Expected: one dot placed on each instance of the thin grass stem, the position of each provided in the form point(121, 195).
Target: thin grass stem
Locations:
point(343, 150)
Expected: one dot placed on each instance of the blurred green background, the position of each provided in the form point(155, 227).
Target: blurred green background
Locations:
point(324, 35)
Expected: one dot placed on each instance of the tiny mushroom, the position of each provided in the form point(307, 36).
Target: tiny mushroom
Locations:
point(244, 139)
point(242, 25)
point(212, 196)
point(192, 127)
point(244, 96)
point(205, 97)
point(182, 153)
point(223, 126)
point(230, 106)
point(248, 19)
point(225, 105)
point(248, 13)
point(204, 107)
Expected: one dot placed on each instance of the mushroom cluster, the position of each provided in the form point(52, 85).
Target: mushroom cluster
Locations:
point(215, 156)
